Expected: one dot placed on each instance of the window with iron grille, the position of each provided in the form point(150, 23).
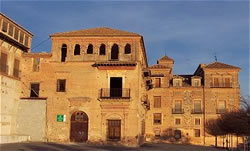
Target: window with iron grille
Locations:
point(157, 102)
point(61, 85)
point(157, 118)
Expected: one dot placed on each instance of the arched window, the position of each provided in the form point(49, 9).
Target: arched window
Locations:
point(77, 50)
point(90, 49)
point(114, 52)
point(102, 50)
point(63, 53)
point(127, 49)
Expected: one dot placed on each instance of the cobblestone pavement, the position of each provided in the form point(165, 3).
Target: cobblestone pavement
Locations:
point(89, 147)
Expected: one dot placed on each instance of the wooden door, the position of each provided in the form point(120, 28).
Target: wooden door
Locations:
point(114, 130)
point(79, 127)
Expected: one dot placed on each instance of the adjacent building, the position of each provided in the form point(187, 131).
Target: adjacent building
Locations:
point(14, 41)
point(181, 104)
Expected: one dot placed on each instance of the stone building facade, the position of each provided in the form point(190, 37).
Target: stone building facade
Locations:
point(181, 104)
point(96, 86)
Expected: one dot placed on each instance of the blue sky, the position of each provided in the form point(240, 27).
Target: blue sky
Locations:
point(190, 32)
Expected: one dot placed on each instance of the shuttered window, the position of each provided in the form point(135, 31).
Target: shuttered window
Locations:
point(216, 82)
point(157, 102)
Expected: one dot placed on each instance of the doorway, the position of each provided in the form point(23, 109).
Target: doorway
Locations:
point(79, 127)
point(114, 130)
point(116, 87)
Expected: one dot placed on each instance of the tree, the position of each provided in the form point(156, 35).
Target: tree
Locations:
point(212, 128)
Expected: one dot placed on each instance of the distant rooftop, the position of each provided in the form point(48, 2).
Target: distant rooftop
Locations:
point(100, 31)
point(221, 65)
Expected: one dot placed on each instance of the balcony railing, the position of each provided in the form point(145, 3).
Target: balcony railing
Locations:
point(197, 111)
point(177, 111)
point(115, 93)
point(220, 111)
point(4, 68)
point(16, 73)
point(222, 85)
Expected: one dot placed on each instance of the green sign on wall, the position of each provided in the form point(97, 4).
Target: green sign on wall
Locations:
point(60, 118)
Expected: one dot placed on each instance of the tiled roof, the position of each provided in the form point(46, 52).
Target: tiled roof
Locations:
point(158, 66)
point(166, 58)
point(100, 31)
point(220, 65)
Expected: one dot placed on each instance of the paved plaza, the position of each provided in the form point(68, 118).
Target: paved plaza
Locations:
point(90, 147)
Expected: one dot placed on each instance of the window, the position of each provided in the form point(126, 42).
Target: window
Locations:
point(21, 37)
point(177, 121)
point(114, 52)
point(16, 33)
point(77, 50)
point(63, 53)
point(26, 40)
point(157, 118)
point(90, 49)
point(157, 102)
point(127, 49)
point(196, 82)
point(197, 106)
point(216, 82)
point(157, 82)
point(16, 72)
point(197, 133)
point(34, 89)
point(3, 63)
point(178, 106)
point(227, 82)
point(197, 121)
point(102, 50)
point(221, 106)
point(11, 28)
point(177, 82)
point(5, 26)
point(61, 85)
point(36, 64)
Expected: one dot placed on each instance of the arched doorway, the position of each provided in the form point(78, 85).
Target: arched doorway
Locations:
point(79, 127)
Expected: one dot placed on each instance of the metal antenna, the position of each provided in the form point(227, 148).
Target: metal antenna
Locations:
point(165, 52)
point(215, 56)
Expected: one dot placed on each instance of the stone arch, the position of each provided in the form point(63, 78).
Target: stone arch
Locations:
point(115, 52)
point(79, 126)
point(63, 52)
